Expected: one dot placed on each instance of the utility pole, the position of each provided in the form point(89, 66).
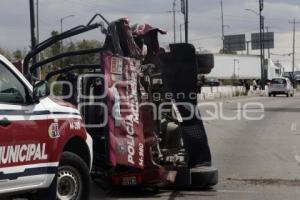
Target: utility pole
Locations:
point(180, 27)
point(38, 32)
point(174, 20)
point(185, 12)
point(37, 22)
point(269, 53)
point(32, 30)
point(222, 18)
point(262, 55)
point(186, 21)
point(223, 25)
point(294, 22)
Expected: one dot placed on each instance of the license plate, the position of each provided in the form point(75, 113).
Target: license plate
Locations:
point(127, 181)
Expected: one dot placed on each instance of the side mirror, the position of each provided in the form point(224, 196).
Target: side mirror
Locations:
point(40, 90)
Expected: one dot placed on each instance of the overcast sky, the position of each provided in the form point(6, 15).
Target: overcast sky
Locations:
point(205, 21)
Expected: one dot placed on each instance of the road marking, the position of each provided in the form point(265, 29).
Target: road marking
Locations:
point(294, 128)
point(297, 158)
point(236, 191)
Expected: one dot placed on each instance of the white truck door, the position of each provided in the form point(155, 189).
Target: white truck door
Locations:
point(23, 158)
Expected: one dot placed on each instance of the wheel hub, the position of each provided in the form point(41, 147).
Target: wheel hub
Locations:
point(68, 183)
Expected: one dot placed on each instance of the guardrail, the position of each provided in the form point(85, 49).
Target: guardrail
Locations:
point(227, 92)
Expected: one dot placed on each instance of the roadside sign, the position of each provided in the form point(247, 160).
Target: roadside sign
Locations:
point(268, 40)
point(235, 42)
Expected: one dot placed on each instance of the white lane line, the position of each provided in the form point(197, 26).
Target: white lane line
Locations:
point(294, 130)
point(294, 126)
point(236, 191)
point(297, 158)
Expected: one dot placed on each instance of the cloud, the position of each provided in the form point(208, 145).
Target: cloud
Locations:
point(205, 19)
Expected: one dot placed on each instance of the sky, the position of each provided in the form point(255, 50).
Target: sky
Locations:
point(205, 20)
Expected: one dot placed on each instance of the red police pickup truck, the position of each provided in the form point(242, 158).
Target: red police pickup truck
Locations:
point(45, 150)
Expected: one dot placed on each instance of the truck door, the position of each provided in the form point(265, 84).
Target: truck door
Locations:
point(23, 153)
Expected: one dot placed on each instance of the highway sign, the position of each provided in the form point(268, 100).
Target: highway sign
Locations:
point(235, 42)
point(268, 40)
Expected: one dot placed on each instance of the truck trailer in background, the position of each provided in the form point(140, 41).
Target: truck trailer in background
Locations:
point(243, 67)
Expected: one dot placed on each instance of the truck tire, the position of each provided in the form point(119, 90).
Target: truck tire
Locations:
point(204, 177)
point(73, 178)
point(71, 182)
point(205, 63)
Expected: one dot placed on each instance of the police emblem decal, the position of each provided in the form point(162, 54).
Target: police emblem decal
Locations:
point(54, 130)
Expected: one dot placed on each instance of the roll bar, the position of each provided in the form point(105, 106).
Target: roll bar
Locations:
point(71, 68)
point(54, 39)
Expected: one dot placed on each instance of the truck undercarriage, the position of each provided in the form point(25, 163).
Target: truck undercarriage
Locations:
point(139, 105)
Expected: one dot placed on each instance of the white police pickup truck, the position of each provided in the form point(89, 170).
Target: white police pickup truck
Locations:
point(45, 151)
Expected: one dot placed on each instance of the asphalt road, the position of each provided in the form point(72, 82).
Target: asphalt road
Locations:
point(257, 159)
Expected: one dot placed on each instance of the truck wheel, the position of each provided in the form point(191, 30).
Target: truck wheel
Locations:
point(205, 176)
point(73, 178)
point(205, 63)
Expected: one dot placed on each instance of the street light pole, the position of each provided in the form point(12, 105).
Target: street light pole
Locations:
point(261, 41)
point(222, 18)
point(61, 29)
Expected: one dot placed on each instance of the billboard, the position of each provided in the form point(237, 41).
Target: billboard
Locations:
point(234, 42)
point(268, 40)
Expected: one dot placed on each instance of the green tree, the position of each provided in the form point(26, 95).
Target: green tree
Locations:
point(19, 54)
point(5, 53)
point(222, 51)
point(55, 49)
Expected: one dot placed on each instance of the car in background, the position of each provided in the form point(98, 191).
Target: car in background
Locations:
point(281, 86)
point(212, 82)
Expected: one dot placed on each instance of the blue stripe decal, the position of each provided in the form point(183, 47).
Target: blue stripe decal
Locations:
point(26, 113)
point(28, 172)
